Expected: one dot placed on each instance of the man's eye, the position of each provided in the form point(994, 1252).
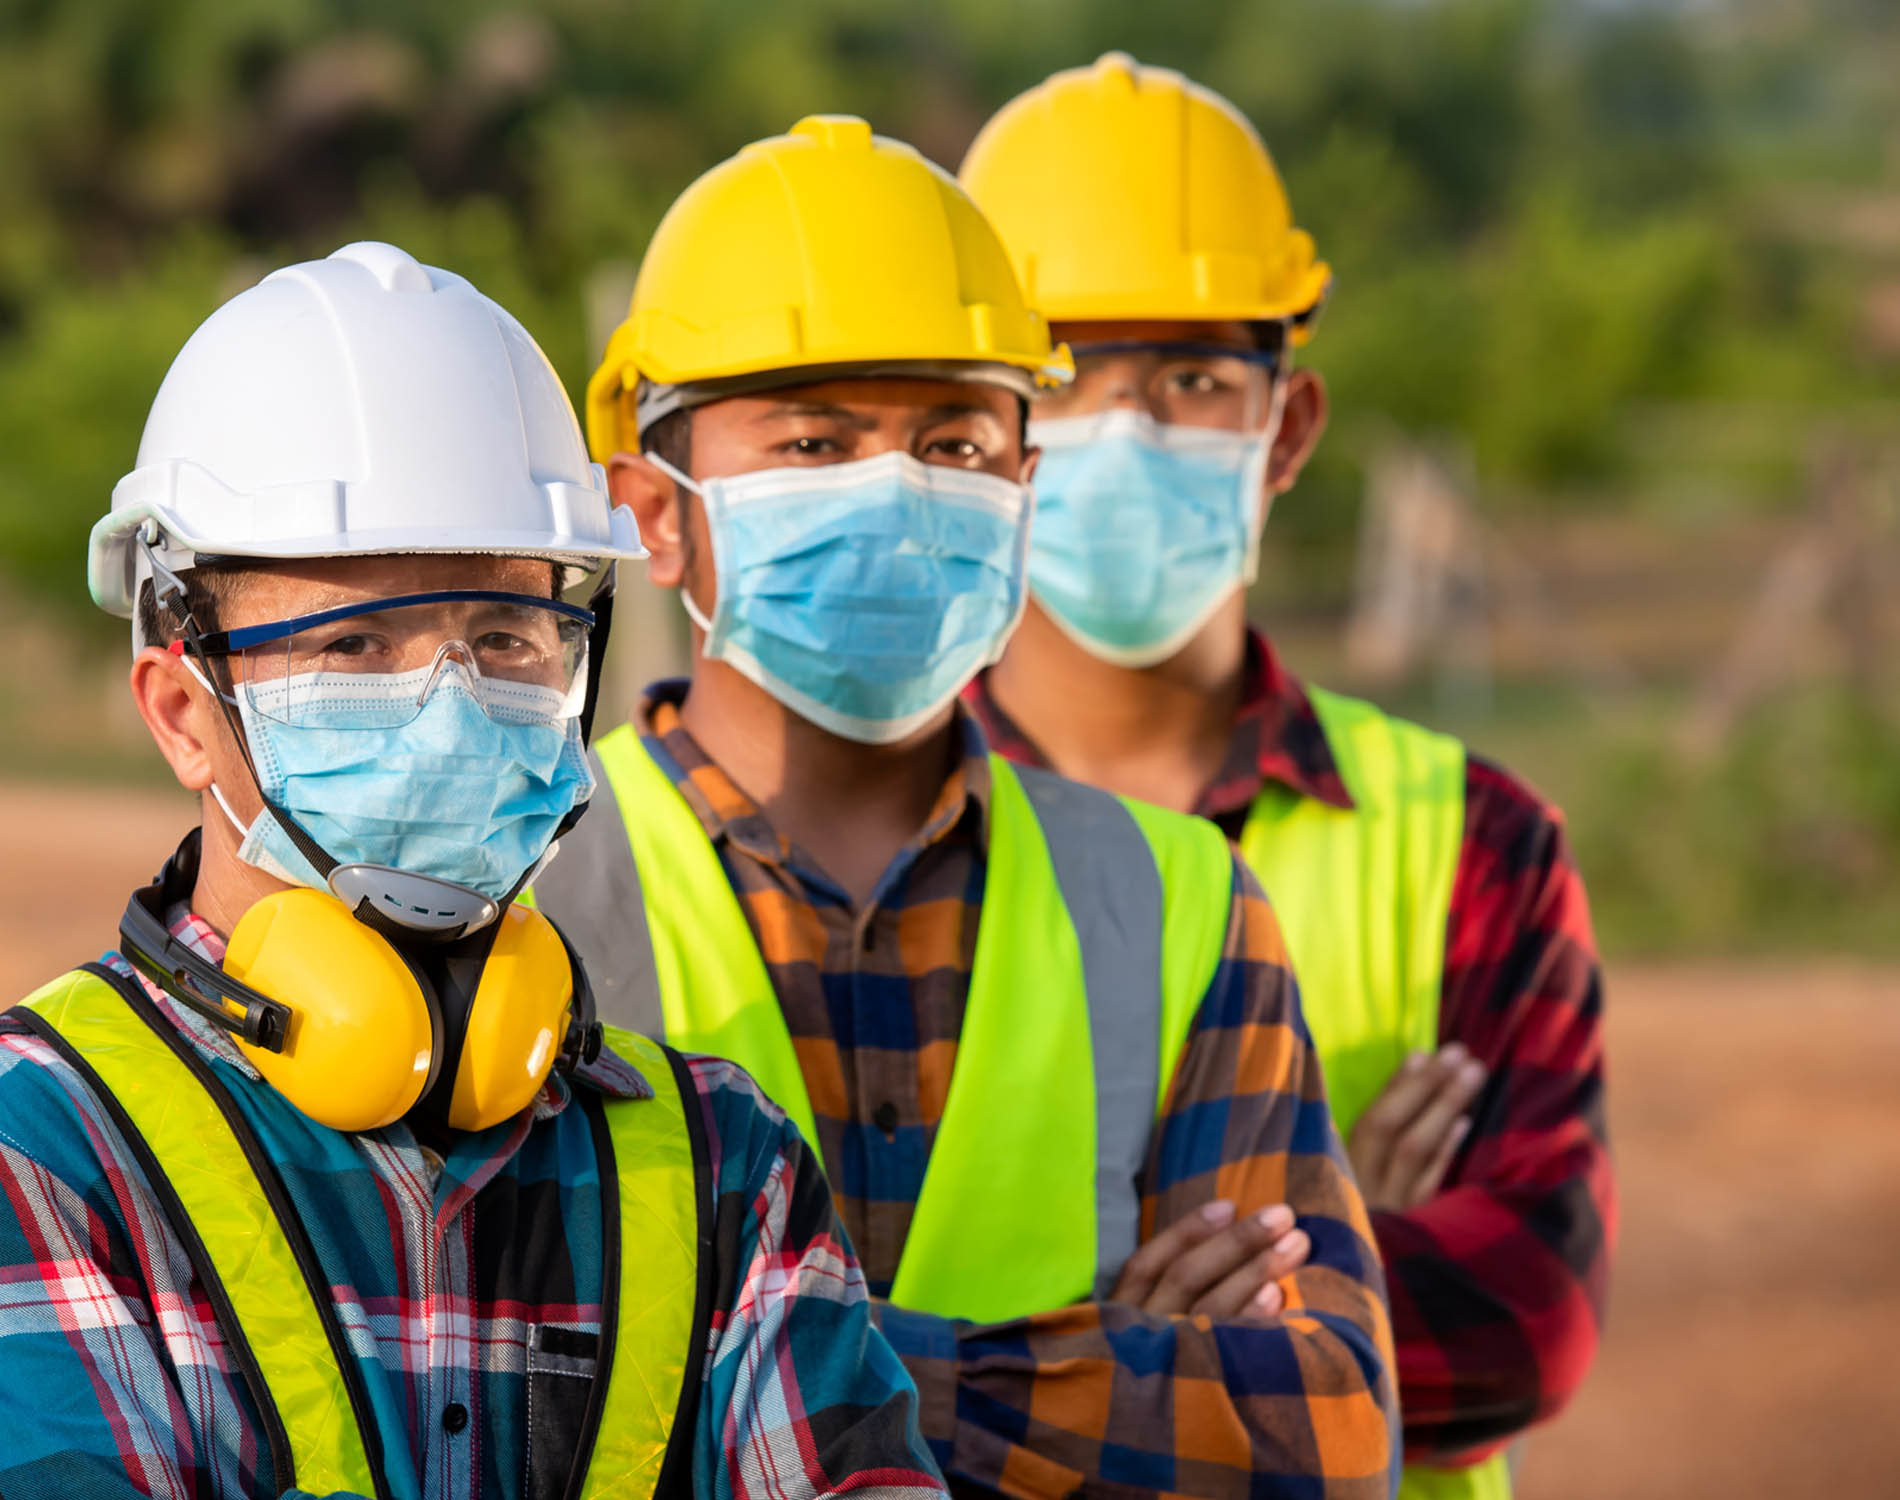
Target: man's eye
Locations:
point(961, 449)
point(347, 645)
point(811, 447)
point(1193, 382)
point(501, 643)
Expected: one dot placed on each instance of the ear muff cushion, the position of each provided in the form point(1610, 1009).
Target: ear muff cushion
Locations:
point(516, 1022)
point(361, 1045)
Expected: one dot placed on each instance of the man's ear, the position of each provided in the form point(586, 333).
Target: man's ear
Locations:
point(654, 498)
point(1027, 474)
point(1303, 412)
point(176, 710)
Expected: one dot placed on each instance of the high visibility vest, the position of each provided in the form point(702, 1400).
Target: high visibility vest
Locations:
point(230, 1211)
point(1103, 921)
point(1364, 896)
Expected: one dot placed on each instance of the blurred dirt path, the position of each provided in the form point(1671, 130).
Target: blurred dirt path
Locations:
point(1754, 1337)
point(69, 856)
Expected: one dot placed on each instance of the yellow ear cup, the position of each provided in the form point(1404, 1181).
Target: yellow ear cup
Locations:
point(360, 1045)
point(516, 1022)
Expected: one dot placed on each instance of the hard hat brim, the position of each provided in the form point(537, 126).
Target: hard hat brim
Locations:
point(584, 531)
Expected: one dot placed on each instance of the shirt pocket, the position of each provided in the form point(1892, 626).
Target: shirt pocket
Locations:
point(561, 1366)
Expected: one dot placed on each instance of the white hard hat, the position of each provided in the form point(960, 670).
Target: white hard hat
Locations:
point(360, 404)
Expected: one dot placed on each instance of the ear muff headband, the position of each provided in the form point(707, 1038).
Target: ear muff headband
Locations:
point(195, 982)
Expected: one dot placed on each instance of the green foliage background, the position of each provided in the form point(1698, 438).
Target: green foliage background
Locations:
point(1549, 222)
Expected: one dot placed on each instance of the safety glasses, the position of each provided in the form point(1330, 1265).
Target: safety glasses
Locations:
point(1183, 383)
point(524, 658)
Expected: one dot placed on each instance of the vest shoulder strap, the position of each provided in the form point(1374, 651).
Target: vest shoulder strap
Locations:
point(225, 1204)
point(1364, 895)
point(1100, 933)
point(656, 1184)
point(670, 953)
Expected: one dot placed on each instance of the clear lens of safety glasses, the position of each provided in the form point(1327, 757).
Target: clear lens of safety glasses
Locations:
point(1181, 384)
point(374, 664)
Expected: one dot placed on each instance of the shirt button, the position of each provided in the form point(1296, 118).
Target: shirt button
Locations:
point(454, 1417)
point(886, 1119)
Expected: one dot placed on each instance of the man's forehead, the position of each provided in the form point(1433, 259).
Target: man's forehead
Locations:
point(1156, 331)
point(301, 585)
point(867, 402)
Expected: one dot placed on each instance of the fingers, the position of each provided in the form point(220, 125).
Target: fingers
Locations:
point(1433, 1177)
point(1253, 1290)
point(1194, 1274)
point(1144, 1268)
point(1424, 1140)
point(1404, 1135)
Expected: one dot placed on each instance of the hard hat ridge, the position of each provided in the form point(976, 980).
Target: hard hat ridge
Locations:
point(1125, 191)
point(828, 248)
point(364, 403)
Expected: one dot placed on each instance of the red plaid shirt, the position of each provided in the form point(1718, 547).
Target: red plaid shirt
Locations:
point(1498, 1283)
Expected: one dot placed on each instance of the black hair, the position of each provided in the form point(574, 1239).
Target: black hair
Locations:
point(208, 586)
point(671, 438)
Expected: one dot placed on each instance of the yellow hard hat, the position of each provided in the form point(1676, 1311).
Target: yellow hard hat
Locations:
point(827, 247)
point(1129, 192)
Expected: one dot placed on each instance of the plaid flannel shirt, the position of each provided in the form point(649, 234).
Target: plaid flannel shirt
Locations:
point(469, 1282)
point(1498, 1283)
point(1099, 1396)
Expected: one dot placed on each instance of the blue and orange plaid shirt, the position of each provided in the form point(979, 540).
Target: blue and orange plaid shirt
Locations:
point(468, 1285)
point(1497, 1283)
point(1096, 1395)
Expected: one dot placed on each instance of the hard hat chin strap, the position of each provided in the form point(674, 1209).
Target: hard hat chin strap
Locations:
point(601, 602)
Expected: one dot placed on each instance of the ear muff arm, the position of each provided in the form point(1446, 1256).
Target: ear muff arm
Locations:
point(194, 982)
point(265, 1021)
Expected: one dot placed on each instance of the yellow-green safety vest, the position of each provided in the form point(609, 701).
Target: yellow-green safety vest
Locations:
point(1103, 921)
point(229, 1209)
point(1363, 896)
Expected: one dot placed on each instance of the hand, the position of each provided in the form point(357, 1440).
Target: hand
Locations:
point(1209, 1263)
point(1403, 1144)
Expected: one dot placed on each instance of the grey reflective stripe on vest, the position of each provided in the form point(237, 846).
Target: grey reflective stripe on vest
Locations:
point(1113, 892)
point(1109, 884)
point(592, 891)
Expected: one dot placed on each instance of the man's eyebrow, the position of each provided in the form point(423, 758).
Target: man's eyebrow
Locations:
point(830, 410)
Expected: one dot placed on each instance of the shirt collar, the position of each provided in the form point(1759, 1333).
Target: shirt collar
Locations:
point(1277, 737)
point(727, 813)
point(609, 1073)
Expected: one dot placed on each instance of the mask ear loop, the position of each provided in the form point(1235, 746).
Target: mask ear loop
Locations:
point(170, 590)
point(692, 487)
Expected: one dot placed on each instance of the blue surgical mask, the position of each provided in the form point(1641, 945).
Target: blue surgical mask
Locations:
point(453, 793)
point(863, 596)
point(1143, 529)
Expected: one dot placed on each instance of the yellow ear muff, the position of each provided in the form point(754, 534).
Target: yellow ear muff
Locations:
point(516, 1022)
point(360, 1046)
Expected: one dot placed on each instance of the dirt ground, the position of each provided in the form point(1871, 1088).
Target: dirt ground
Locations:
point(1756, 1310)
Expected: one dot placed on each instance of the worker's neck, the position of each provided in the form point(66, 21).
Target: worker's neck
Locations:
point(851, 806)
point(226, 887)
point(1157, 733)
